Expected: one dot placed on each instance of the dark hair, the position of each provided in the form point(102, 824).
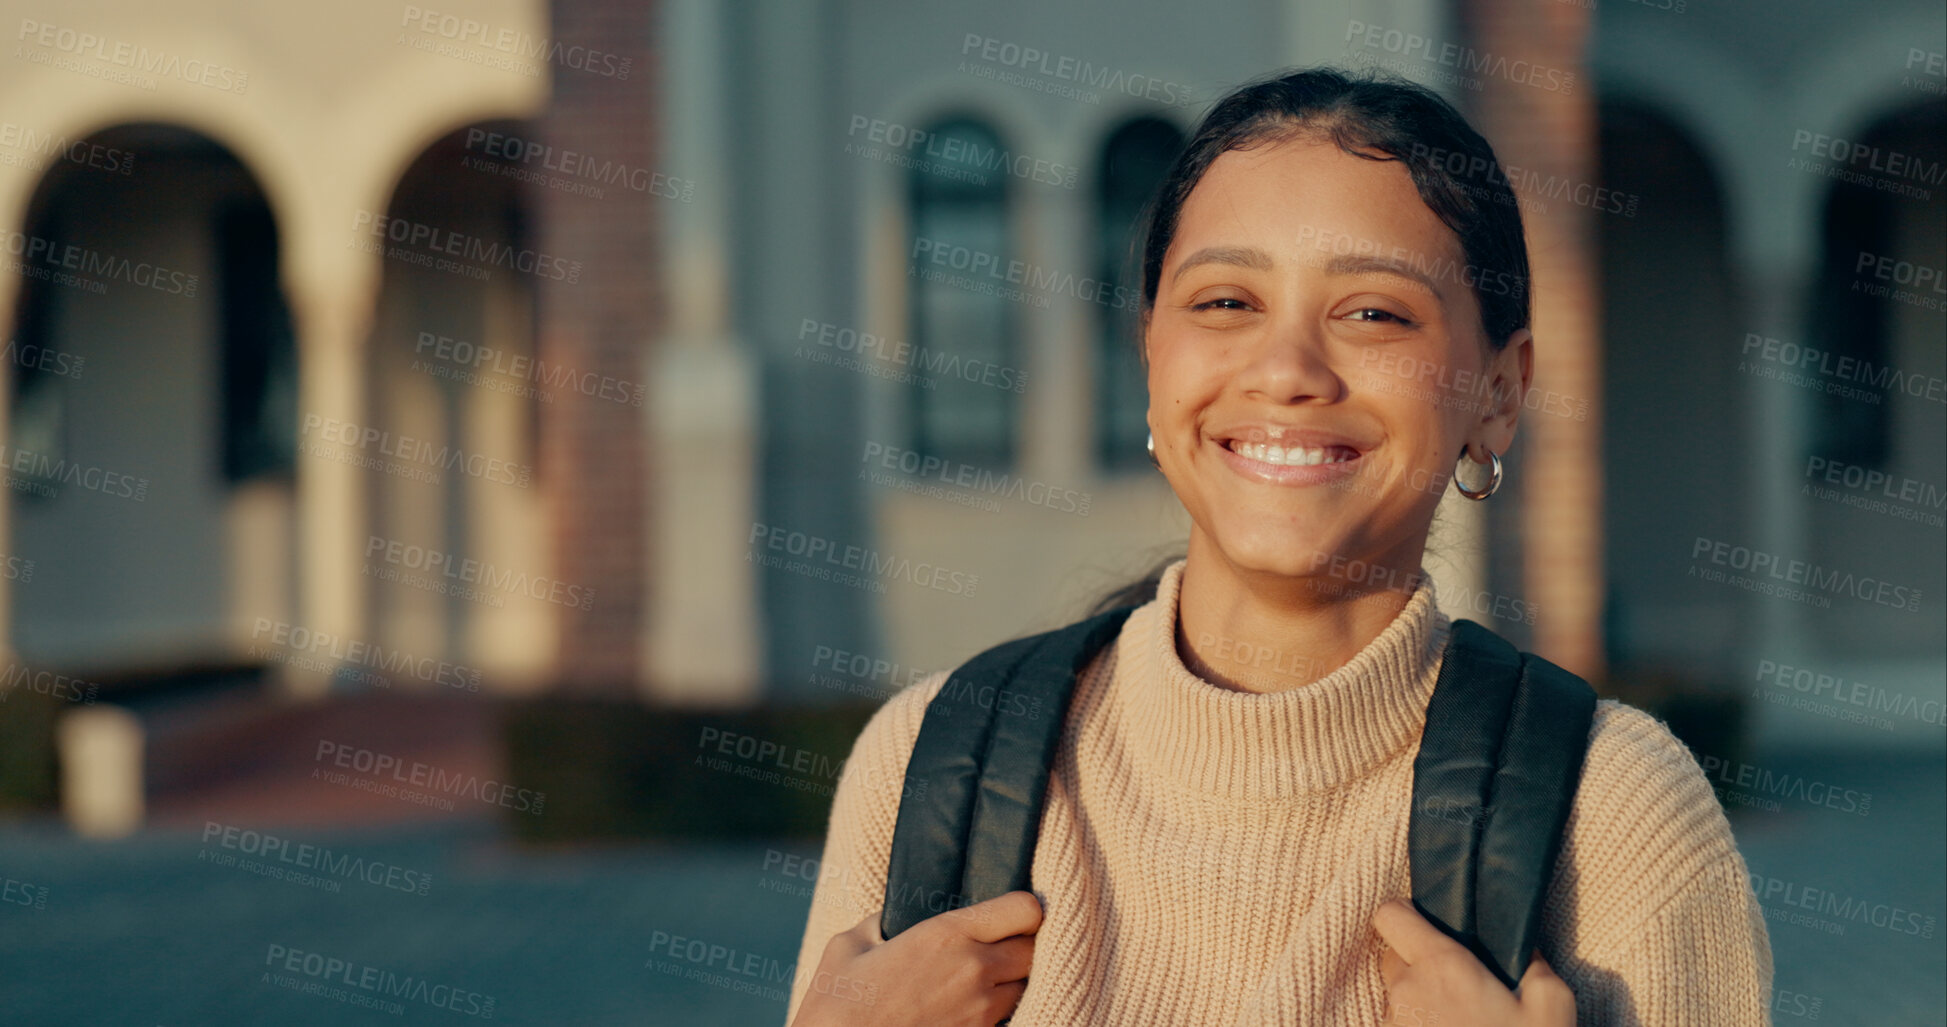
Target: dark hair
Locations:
point(1378, 116)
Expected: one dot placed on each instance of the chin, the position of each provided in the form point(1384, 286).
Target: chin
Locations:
point(1283, 551)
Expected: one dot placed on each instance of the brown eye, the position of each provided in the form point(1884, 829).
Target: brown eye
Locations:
point(1384, 316)
point(1217, 304)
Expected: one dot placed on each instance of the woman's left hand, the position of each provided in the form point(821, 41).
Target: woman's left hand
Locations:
point(1433, 981)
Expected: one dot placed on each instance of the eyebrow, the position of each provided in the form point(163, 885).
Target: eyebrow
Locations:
point(1345, 264)
point(1355, 264)
point(1242, 256)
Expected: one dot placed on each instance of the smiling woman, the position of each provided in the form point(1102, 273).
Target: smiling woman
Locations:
point(1234, 809)
point(1280, 276)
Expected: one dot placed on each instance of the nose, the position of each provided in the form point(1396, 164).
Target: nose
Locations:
point(1290, 363)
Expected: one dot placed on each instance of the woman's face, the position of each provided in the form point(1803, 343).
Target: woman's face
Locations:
point(1317, 363)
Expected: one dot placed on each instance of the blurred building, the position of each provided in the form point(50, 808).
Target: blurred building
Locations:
point(701, 351)
point(320, 287)
point(1712, 193)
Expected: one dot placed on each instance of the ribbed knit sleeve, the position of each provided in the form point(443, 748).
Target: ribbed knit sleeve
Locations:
point(858, 838)
point(1651, 916)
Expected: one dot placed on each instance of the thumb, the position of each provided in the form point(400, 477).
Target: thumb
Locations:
point(1545, 994)
point(1539, 969)
point(860, 936)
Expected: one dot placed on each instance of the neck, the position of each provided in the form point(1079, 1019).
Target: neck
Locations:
point(1259, 631)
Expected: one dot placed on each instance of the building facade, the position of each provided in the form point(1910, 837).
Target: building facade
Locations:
point(715, 353)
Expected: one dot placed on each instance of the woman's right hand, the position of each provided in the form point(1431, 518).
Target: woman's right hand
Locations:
point(962, 968)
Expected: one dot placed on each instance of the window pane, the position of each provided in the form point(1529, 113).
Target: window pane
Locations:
point(1134, 161)
point(258, 347)
point(959, 206)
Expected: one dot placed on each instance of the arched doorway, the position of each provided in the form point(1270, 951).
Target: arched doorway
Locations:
point(151, 439)
point(455, 381)
point(1673, 403)
point(1875, 455)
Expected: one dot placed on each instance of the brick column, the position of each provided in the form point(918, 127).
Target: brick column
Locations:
point(593, 450)
point(1547, 127)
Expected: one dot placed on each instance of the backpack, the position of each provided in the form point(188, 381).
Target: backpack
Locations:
point(1505, 735)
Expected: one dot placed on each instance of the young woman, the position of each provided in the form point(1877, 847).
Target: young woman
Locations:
point(1225, 840)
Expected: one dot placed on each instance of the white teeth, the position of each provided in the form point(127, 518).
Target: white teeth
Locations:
point(1293, 457)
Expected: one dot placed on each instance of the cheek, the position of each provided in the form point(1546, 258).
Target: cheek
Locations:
point(1179, 380)
point(1449, 401)
point(1417, 438)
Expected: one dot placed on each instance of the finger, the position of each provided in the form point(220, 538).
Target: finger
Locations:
point(1003, 916)
point(1408, 933)
point(1544, 989)
point(856, 938)
point(1005, 998)
point(867, 929)
point(1010, 958)
point(1539, 969)
point(1391, 967)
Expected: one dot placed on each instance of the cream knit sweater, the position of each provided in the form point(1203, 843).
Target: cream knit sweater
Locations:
point(1209, 856)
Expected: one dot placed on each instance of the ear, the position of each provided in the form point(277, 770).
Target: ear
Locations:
point(1142, 351)
point(1508, 374)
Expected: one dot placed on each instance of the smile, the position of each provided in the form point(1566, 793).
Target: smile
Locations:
point(1294, 456)
point(1282, 455)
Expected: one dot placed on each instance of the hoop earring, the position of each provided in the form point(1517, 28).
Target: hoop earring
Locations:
point(1151, 446)
point(1493, 477)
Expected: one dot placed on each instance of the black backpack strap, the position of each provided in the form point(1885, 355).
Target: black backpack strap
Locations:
point(978, 778)
point(1499, 763)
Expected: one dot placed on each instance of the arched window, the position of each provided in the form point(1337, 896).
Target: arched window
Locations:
point(258, 345)
point(1869, 376)
point(255, 351)
point(1666, 275)
point(1851, 318)
point(962, 320)
point(1134, 160)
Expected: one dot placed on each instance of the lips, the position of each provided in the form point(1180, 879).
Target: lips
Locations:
point(1293, 456)
point(1290, 445)
point(1286, 454)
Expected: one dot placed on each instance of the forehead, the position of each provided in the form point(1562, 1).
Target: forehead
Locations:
point(1304, 200)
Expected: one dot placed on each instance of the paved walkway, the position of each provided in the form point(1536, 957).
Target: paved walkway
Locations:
point(159, 931)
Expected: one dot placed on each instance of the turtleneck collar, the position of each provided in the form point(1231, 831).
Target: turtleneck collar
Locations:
point(1250, 746)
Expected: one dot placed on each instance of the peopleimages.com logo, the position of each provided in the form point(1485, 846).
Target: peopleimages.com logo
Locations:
point(475, 254)
point(1064, 75)
point(324, 651)
point(275, 856)
point(404, 448)
point(955, 152)
point(828, 559)
point(86, 264)
point(514, 43)
point(366, 985)
point(80, 151)
point(455, 573)
point(424, 775)
point(1772, 574)
point(471, 357)
point(120, 60)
